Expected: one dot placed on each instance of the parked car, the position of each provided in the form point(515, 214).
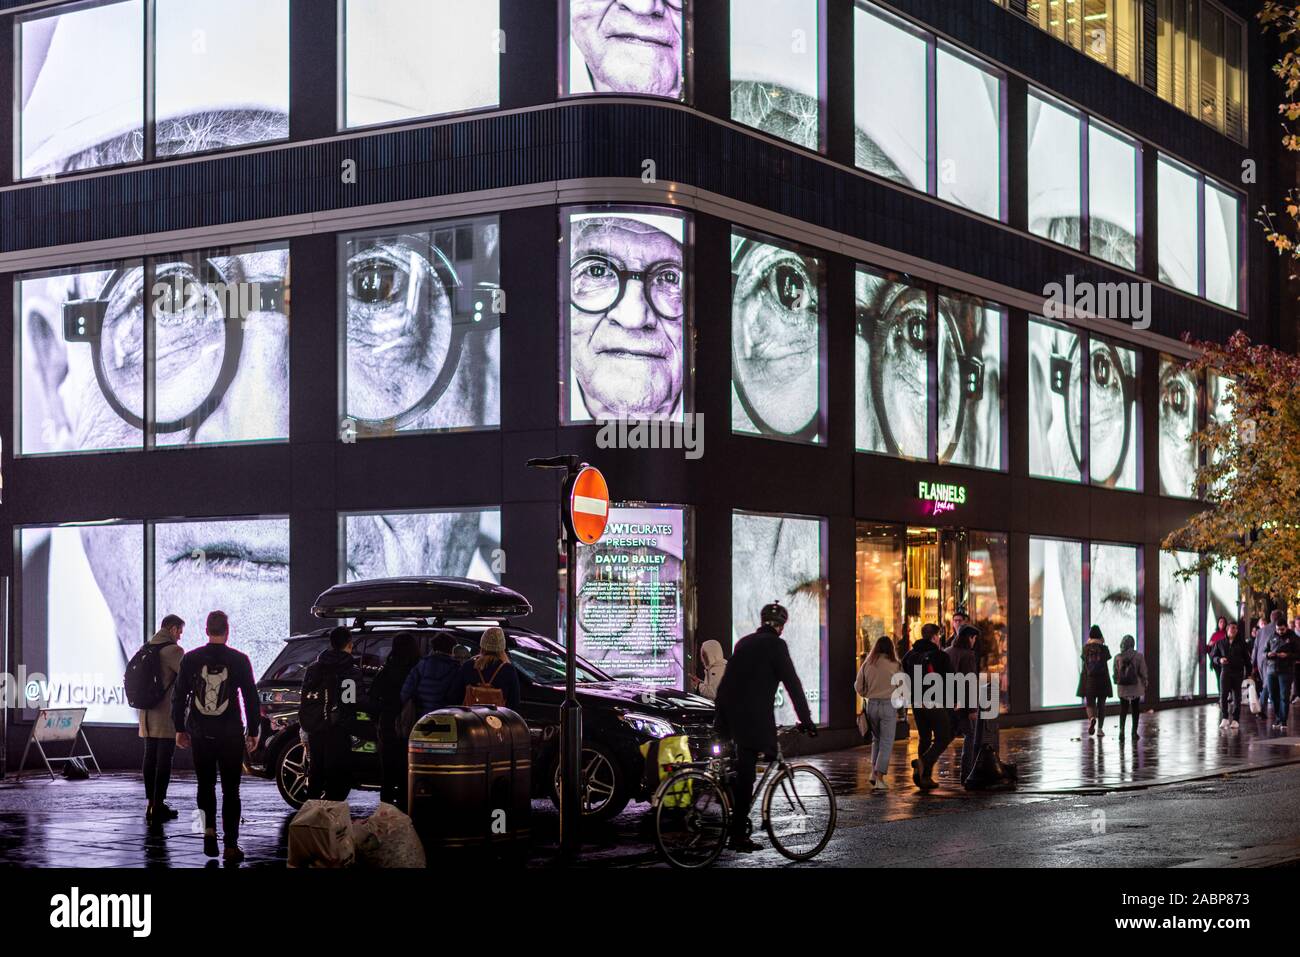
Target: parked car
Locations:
point(617, 718)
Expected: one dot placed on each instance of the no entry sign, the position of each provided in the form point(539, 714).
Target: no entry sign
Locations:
point(588, 507)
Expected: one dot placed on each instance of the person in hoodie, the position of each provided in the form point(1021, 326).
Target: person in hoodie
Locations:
point(386, 705)
point(1094, 680)
point(329, 749)
point(924, 665)
point(433, 682)
point(1233, 660)
point(715, 666)
point(156, 725)
point(1129, 670)
point(1280, 654)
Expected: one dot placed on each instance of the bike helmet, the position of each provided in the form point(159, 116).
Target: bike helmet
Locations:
point(774, 614)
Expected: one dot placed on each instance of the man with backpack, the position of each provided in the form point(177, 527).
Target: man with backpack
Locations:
point(331, 689)
point(926, 667)
point(149, 678)
point(205, 703)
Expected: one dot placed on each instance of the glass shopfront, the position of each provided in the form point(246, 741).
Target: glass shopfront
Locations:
point(908, 576)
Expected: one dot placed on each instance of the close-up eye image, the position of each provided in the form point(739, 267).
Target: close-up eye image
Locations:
point(776, 68)
point(776, 340)
point(421, 320)
point(1180, 401)
point(892, 367)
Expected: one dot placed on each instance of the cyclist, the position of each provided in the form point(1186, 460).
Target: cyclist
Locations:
point(745, 714)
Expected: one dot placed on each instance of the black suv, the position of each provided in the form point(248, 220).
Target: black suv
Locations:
point(617, 718)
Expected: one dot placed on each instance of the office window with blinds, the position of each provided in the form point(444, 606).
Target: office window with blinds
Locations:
point(1108, 31)
point(1200, 63)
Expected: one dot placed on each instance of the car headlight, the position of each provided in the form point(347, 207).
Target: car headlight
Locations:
point(644, 723)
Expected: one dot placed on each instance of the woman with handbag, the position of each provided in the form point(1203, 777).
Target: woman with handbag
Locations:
point(875, 685)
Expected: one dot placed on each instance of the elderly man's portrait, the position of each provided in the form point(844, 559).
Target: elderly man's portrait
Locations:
point(775, 68)
point(627, 46)
point(83, 598)
point(777, 338)
point(625, 306)
point(780, 558)
point(405, 59)
point(891, 114)
point(219, 324)
point(221, 78)
point(451, 543)
point(422, 324)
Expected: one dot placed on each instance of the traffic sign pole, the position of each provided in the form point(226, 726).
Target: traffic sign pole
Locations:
point(584, 507)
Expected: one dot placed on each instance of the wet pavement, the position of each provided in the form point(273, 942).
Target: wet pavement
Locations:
point(1065, 780)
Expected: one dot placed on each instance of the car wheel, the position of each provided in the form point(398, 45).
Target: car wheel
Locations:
point(291, 773)
point(603, 783)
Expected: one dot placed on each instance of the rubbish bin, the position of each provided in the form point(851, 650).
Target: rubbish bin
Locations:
point(469, 780)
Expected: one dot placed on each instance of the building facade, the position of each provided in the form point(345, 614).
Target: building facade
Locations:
point(298, 286)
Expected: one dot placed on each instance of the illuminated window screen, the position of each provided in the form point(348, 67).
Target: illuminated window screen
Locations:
point(405, 59)
point(1055, 402)
point(1180, 397)
point(1114, 594)
point(82, 614)
point(222, 74)
point(1180, 646)
point(1055, 181)
point(775, 71)
point(447, 542)
point(969, 129)
point(625, 51)
point(781, 558)
point(890, 102)
point(72, 117)
point(1056, 632)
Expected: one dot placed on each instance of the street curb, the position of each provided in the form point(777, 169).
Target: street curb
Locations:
point(1180, 779)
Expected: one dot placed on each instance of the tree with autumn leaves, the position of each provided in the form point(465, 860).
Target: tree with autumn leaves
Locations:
point(1250, 474)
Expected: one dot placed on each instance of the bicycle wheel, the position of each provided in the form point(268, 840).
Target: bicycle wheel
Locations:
point(691, 818)
point(799, 812)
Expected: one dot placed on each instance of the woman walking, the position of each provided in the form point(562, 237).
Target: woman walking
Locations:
point(1094, 680)
point(1130, 672)
point(875, 685)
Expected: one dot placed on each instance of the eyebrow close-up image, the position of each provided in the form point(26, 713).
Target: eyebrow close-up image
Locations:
point(505, 444)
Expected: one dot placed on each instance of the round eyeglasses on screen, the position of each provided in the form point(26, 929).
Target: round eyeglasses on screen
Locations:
point(597, 285)
point(197, 309)
point(1112, 392)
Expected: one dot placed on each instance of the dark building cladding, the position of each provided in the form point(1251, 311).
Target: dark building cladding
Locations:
point(956, 494)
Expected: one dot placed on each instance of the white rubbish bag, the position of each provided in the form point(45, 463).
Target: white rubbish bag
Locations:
point(1252, 696)
point(387, 839)
point(320, 835)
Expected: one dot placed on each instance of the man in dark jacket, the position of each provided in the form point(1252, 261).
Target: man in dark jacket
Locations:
point(386, 708)
point(1233, 658)
point(746, 712)
point(926, 667)
point(205, 703)
point(1280, 654)
point(336, 677)
point(432, 683)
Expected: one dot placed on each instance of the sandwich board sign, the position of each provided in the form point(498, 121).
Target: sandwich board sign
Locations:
point(57, 726)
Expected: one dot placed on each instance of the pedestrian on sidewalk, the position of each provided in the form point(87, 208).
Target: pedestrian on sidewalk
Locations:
point(156, 723)
point(715, 666)
point(206, 704)
point(926, 667)
point(1130, 672)
point(1230, 654)
point(1094, 680)
point(1280, 656)
point(331, 693)
point(965, 712)
point(1220, 632)
point(386, 702)
point(875, 685)
point(1259, 659)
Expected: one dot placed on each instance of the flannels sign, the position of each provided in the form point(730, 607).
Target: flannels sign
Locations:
point(939, 498)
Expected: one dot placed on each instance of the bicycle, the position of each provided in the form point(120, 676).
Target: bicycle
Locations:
point(692, 809)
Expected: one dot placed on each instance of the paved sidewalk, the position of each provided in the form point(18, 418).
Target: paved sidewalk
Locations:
point(99, 823)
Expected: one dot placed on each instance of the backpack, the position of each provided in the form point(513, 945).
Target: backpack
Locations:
point(1096, 666)
point(212, 691)
point(143, 679)
point(1128, 671)
point(484, 692)
point(322, 700)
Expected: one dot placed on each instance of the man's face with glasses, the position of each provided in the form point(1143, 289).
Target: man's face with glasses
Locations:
point(627, 305)
point(630, 46)
point(220, 371)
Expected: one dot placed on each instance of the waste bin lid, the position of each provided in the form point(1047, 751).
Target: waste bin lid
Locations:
point(383, 599)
